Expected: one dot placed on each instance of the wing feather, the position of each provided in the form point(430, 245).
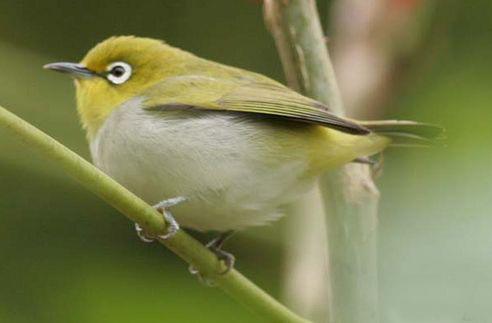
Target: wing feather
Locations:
point(246, 95)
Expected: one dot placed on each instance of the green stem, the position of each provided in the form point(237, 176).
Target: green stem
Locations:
point(349, 194)
point(189, 249)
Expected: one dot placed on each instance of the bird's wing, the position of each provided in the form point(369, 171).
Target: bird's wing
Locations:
point(249, 96)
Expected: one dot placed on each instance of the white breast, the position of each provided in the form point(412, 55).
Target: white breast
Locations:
point(220, 162)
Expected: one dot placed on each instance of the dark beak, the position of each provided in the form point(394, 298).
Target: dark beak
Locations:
point(74, 69)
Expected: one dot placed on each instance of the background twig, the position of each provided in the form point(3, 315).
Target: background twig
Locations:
point(351, 198)
point(375, 44)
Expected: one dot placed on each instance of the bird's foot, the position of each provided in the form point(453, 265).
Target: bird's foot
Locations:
point(377, 168)
point(215, 245)
point(364, 160)
point(376, 164)
point(172, 224)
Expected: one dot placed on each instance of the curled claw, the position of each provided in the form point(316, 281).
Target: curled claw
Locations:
point(141, 234)
point(215, 245)
point(228, 259)
point(169, 202)
point(172, 224)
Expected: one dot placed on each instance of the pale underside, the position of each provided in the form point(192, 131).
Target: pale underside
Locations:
point(235, 170)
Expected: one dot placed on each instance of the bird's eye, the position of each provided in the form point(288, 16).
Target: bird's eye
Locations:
point(118, 72)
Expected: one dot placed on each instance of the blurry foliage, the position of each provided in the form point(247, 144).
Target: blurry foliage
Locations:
point(68, 257)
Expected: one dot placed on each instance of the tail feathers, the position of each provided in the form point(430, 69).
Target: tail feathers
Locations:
point(407, 133)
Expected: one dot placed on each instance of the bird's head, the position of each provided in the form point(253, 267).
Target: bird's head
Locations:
point(116, 70)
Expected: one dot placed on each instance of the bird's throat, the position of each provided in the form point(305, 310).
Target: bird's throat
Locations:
point(95, 105)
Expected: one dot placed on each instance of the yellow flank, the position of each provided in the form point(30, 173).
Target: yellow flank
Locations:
point(329, 148)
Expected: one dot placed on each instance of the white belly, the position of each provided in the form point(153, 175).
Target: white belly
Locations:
point(221, 163)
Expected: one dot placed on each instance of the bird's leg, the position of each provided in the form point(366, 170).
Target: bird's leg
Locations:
point(172, 225)
point(377, 168)
point(215, 245)
point(376, 164)
point(364, 160)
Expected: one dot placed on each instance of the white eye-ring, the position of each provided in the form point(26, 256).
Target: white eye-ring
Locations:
point(118, 72)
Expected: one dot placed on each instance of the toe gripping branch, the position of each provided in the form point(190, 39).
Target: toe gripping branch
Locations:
point(172, 224)
point(215, 245)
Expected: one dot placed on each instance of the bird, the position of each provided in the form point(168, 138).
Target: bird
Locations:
point(222, 147)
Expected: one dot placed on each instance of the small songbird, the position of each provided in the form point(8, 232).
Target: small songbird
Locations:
point(233, 146)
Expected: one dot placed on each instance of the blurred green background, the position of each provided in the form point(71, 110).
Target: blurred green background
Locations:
point(68, 257)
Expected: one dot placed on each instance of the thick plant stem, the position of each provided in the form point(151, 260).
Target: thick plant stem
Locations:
point(189, 249)
point(350, 196)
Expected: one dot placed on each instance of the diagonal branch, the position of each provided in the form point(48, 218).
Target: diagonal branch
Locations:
point(135, 209)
